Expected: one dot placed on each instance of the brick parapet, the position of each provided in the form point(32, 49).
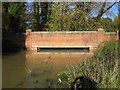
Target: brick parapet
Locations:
point(75, 38)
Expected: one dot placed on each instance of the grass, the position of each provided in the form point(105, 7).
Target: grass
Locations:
point(102, 67)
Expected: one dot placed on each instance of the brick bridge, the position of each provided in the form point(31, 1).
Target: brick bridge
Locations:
point(68, 39)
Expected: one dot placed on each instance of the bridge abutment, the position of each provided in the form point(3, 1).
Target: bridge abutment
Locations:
point(28, 40)
point(91, 49)
point(34, 49)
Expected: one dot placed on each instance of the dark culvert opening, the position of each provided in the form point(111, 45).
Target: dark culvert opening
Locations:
point(64, 49)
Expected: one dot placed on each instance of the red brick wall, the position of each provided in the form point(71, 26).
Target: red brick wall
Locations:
point(79, 38)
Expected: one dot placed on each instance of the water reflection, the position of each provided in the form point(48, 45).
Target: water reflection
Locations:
point(13, 70)
point(37, 70)
point(44, 66)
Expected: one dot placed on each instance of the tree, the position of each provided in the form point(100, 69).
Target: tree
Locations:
point(5, 24)
point(13, 16)
point(36, 20)
point(105, 8)
point(108, 24)
point(85, 19)
point(45, 14)
point(92, 13)
point(41, 15)
point(55, 19)
point(116, 22)
point(77, 16)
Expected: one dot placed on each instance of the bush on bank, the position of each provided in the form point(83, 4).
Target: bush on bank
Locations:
point(102, 67)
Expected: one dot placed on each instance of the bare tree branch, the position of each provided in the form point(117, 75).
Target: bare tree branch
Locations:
point(103, 10)
point(110, 7)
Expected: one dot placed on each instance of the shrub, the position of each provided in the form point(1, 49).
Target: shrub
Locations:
point(102, 67)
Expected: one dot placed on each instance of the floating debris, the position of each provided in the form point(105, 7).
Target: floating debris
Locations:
point(46, 60)
point(49, 57)
point(20, 84)
point(34, 74)
point(36, 81)
point(59, 80)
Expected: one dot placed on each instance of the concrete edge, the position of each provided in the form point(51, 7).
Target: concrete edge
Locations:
point(110, 32)
point(71, 32)
point(62, 46)
point(59, 53)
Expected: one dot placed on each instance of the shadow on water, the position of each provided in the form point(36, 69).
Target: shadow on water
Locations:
point(14, 70)
point(12, 43)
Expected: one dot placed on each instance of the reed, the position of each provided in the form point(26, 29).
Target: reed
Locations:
point(102, 67)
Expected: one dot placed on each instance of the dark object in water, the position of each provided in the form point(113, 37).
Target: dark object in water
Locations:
point(83, 82)
point(35, 74)
point(50, 83)
point(49, 57)
point(36, 81)
point(20, 84)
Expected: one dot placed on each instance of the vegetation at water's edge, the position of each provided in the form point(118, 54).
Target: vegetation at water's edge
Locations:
point(102, 67)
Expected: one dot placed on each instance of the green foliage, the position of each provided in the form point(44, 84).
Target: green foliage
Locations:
point(55, 18)
point(36, 16)
point(44, 15)
point(108, 24)
point(64, 18)
point(117, 22)
point(13, 17)
point(102, 67)
point(44, 11)
point(13, 9)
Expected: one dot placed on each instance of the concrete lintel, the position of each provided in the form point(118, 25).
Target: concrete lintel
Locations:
point(110, 33)
point(63, 46)
point(71, 32)
point(60, 53)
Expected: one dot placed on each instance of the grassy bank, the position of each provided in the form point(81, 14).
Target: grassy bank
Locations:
point(102, 67)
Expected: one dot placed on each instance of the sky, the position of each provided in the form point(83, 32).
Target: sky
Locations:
point(71, 0)
point(112, 12)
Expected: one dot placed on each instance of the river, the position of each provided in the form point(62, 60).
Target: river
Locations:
point(37, 70)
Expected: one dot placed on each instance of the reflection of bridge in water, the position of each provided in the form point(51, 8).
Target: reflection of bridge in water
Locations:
point(44, 67)
point(84, 40)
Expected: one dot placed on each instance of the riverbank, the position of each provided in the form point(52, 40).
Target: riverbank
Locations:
point(102, 67)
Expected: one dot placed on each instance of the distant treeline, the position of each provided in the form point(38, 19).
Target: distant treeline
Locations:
point(58, 16)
